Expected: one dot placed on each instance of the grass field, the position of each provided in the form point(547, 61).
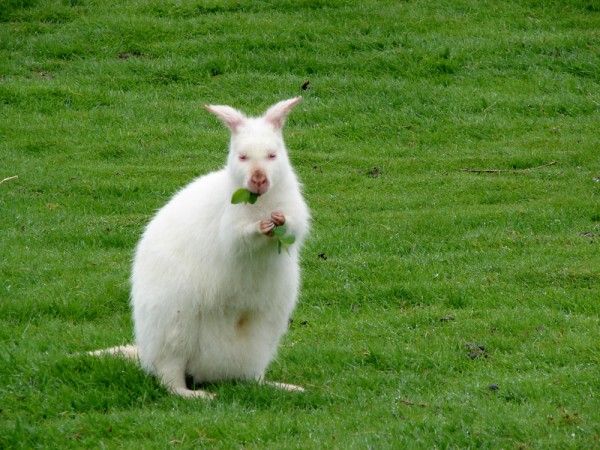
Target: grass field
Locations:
point(440, 307)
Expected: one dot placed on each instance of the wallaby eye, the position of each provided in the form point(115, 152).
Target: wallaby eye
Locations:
point(243, 157)
point(272, 155)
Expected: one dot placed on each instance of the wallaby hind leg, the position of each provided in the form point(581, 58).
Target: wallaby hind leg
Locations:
point(172, 375)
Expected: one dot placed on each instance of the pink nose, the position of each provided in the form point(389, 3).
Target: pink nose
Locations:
point(259, 182)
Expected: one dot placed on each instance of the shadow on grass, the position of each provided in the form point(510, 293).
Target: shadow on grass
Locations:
point(82, 383)
point(85, 383)
point(249, 394)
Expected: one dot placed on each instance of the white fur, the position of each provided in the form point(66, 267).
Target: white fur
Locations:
point(211, 296)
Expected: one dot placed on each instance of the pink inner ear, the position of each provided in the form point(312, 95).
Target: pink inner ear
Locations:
point(228, 115)
point(277, 113)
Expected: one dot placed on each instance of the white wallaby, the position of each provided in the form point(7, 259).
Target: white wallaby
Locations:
point(211, 295)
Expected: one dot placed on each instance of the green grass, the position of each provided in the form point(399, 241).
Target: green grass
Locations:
point(420, 262)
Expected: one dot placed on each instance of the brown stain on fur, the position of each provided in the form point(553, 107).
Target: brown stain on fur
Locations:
point(242, 323)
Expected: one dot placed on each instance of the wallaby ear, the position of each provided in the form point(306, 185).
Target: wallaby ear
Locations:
point(277, 113)
point(228, 115)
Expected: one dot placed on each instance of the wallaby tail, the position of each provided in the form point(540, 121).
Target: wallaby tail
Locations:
point(123, 351)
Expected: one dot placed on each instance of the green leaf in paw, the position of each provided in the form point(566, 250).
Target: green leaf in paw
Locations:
point(279, 230)
point(287, 239)
point(283, 240)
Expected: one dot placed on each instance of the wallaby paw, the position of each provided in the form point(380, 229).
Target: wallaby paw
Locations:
point(278, 218)
point(266, 227)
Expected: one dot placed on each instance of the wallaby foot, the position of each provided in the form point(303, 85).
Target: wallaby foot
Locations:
point(284, 386)
point(172, 375)
point(192, 393)
point(122, 351)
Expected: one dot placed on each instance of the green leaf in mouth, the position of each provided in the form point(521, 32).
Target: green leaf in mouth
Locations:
point(243, 195)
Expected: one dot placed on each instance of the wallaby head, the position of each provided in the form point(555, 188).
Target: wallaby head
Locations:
point(258, 158)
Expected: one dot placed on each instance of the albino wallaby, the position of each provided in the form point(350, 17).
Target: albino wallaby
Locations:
point(211, 295)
